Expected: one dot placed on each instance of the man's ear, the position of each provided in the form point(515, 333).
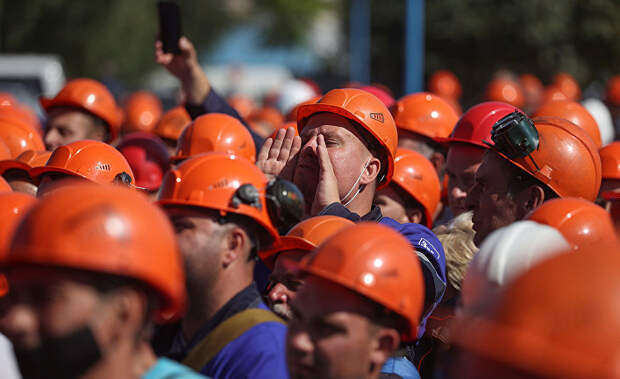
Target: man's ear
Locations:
point(371, 171)
point(533, 197)
point(439, 162)
point(386, 342)
point(415, 215)
point(123, 313)
point(236, 244)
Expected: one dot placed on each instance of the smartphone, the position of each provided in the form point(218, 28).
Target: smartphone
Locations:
point(169, 26)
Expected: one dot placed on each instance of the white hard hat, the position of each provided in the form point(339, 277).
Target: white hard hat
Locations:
point(292, 93)
point(601, 114)
point(505, 254)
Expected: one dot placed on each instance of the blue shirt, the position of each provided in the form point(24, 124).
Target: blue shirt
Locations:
point(167, 369)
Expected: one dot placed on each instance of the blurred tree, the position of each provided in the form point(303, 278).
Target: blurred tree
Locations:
point(474, 38)
point(114, 39)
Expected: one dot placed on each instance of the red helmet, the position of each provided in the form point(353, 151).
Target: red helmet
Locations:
point(91, 96)
point(148, 157)
point(475, 125)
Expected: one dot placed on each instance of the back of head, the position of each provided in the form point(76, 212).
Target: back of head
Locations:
point(505, 255)
point(215, 132)
point(425, 114)
point(584, 224)
point(573, 112)
point(559, 320)
point(142, 111)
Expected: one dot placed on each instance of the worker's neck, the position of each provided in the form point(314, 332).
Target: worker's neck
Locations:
point(205, 304)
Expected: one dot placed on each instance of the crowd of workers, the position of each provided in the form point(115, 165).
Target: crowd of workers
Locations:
point(344, 234)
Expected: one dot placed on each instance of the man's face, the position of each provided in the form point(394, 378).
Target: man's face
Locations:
point(43, 303)
point(347, 153)
point(20, 181)
point(284, 284)
point(199, 238)
point(66, 125)
point(391, 204)
point(461, 166)
point(329, 335)
point(489, 198)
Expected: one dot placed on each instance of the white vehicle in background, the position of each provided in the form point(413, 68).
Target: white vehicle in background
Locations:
point(27, 77)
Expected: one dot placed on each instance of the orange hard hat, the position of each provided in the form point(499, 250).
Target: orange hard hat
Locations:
point(13, 206)
point(566, 159)
point(270, 115)
point(172, 123)
point(26, 161)
point(613, 90)
point(610, 160)
point(5, 153)
point(573, 112)
point(559, 320)
point(91, 96)
point(7, 100)
point(104, 229)
point(426, 114)
point(292, 114)
point(4, 186)
point(285, 126)
point(583, 223)
point(376, 262)
point(505, 90)
point(553, 93)
point(142, 112)
point(21, 114)
point(92, 160)
point(362, 108)
point(305, 236)
point(445, 84)
point(243, 105)
point(20, 137)
point(418, 177)
point(222, 182)
point(568, 85)
point(215, 132)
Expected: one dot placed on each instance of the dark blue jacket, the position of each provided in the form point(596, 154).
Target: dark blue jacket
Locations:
point(257, 353)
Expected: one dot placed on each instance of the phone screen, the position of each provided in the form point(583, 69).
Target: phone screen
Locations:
point(169, 26)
